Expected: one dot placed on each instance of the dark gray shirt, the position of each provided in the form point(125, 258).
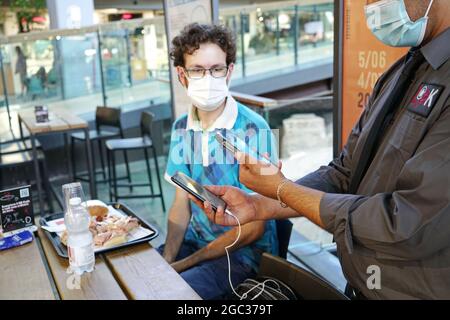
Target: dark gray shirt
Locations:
point(399, 220)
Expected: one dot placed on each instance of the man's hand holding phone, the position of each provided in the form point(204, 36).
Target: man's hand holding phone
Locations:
point(239, 203)
point(193, 188)
point(257, 172)
point(261, 177)
point(234, 144)
point(218, 201)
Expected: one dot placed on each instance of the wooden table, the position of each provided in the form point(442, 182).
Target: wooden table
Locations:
point(60, 122)
point(35, 271)
point(23, 274)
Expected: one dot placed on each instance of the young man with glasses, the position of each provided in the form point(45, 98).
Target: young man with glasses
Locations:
point(204, 56)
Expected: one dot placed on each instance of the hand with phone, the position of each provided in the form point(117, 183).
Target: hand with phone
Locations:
point(256, 171)
point(198, 192)
point(234, 144)
point(243, 206)
point(259, 176)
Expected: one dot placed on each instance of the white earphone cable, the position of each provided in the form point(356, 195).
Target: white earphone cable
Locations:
point(262, 285)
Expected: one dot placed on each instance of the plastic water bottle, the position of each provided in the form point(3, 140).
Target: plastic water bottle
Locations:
point(80, 244)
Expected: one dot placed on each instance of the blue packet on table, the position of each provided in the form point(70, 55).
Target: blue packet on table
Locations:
point(16, 240)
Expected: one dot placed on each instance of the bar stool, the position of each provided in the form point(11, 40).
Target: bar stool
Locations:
point(105, 119)
point(9, 143)
point(14, 155)
point(18, 145)
point(140, 143)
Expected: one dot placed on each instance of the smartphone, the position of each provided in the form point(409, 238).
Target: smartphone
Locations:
point(234, 144)
point(194, 188)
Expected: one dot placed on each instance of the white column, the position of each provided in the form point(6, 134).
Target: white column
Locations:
point(68, 14)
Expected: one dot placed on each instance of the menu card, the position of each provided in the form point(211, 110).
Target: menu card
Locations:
point(16, 209)
point(41, 113)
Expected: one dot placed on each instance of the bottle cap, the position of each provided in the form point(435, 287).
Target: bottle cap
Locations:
point(75, 201)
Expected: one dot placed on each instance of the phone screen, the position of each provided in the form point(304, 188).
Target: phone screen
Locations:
point(234, 144)
point(197, 190)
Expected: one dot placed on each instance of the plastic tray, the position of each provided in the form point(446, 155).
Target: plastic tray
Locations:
point(61, 249)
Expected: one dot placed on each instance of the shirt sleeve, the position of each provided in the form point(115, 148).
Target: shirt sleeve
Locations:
point(410, 223)
point(179, 151)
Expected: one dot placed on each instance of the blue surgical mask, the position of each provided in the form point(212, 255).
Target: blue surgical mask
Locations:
point(390, 23)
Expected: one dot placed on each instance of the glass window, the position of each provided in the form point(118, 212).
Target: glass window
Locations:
point(135, 64)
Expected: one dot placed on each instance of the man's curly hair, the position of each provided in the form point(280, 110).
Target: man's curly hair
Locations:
point(195, 34)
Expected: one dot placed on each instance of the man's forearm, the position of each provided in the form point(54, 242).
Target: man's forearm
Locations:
point(301, 201)
point(176, 229)
point(250, 232)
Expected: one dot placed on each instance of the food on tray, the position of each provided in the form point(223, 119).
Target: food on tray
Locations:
point(64, 236)
point(99, 212)
point(115, 241)
point(110, 231)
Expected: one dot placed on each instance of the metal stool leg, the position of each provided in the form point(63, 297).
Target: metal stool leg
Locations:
point(114, 175)
point(72, 158)
point(94, 160)
point(47, 186)
point(68, 154)
point(127, 165)
point(158, 178)
point(149, 172)
point(90, 166)
point(102, 161)
point(37, 173)
point(108, 159)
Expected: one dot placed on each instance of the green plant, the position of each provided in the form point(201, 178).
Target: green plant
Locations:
point(26, 10)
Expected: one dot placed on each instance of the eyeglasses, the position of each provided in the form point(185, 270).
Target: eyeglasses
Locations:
point(199, 73)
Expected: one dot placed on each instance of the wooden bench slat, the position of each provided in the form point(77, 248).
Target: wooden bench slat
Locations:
point(144, 274)
point(23, 275)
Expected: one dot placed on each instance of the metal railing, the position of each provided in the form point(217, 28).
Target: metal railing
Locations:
point(125, 63)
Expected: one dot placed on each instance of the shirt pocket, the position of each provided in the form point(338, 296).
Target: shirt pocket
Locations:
point(401, 145)
point(407, 135)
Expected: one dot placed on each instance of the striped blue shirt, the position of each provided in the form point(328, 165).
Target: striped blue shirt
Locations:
point(196, 153)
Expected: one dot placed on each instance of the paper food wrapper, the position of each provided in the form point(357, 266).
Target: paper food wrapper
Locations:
point(59, 227)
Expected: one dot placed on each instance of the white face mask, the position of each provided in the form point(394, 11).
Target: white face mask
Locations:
point(208, 93)
point(390, 23)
